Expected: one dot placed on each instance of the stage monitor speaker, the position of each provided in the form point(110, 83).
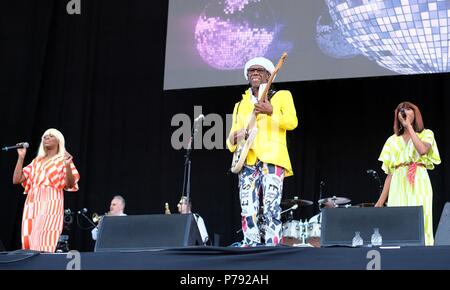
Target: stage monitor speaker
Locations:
point(443, 231)
point(398, 226)
point(147, 232)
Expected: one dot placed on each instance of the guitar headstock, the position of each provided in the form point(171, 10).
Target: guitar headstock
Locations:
point(272, 76)
point(280, 63)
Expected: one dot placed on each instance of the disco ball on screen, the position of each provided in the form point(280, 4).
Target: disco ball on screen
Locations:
point(405, 36)
point(230, 32)
point(332, 42)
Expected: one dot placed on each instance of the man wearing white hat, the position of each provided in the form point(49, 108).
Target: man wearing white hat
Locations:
point(267, 161)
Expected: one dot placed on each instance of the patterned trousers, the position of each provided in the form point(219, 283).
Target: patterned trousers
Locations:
point(264, 180)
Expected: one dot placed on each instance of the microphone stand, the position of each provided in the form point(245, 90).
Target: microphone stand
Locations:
point(88, 219)
point(375, 175)
point(380, 186)
point(321, 186)
point(187, 164)
point(290, 218)
point(291, 209)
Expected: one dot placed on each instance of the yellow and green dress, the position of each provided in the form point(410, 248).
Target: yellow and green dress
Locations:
point(410, 183)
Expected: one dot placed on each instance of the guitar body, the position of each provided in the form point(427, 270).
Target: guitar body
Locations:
point(240, 155)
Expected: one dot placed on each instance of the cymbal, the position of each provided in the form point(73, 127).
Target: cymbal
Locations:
point(295, 200)
point(334, 200)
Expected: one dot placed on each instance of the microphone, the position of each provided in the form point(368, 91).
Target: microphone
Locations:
point(20, 145)
point(199, 118)
point(376, 177)
point(321, 186)
point(83, 211)
point(294, 207)
point(194, 130)
point(402, 111)
point(372, 172)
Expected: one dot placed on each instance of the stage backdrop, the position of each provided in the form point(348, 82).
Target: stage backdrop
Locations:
point(98, 77)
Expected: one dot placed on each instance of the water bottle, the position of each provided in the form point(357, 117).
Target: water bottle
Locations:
point(376, 239)
point(357, 240)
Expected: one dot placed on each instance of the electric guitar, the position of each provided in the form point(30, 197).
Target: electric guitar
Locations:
point(243, 146)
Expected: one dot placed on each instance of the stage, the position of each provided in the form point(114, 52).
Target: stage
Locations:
point(239, 259)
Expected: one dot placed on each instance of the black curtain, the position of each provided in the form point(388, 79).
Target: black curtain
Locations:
point(98, 77)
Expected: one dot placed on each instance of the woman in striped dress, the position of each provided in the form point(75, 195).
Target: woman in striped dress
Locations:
point(406, 157)
point(44, 180)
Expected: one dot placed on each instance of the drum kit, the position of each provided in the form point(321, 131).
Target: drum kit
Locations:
point(307, 233)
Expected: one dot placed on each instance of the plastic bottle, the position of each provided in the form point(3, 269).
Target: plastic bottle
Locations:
point(357, 240)
point(377, 239)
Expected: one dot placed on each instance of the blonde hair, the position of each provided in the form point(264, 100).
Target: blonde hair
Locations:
point(61, 142)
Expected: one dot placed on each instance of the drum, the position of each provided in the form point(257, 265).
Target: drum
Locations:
point(292, 232)
point(314, 230)
point(313, 235)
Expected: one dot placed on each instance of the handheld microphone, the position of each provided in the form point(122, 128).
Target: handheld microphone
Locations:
point(20, 145)
point(402, 111)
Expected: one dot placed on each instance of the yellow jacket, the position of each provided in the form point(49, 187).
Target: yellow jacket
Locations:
point(270, 143)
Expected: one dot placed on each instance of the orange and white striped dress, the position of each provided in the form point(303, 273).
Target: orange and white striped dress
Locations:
point(43, 213)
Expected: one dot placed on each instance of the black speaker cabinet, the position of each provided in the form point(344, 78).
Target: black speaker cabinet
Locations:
point(146, 232)
point(443, 231)
point(398, 226)
point(2, 247)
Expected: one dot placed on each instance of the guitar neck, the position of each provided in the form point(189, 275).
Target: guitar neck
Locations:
point(272, 76)
point(252, 120)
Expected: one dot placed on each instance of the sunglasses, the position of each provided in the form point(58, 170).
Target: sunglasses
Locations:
point(258, 70)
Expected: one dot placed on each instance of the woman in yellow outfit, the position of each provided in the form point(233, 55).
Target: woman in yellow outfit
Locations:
point(406, 157)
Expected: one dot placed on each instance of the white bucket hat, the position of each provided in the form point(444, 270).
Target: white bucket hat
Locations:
point(262, 61)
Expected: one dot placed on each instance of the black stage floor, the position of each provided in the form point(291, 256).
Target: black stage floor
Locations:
point(229, 258)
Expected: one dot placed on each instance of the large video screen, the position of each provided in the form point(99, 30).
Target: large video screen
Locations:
point(209, 41)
